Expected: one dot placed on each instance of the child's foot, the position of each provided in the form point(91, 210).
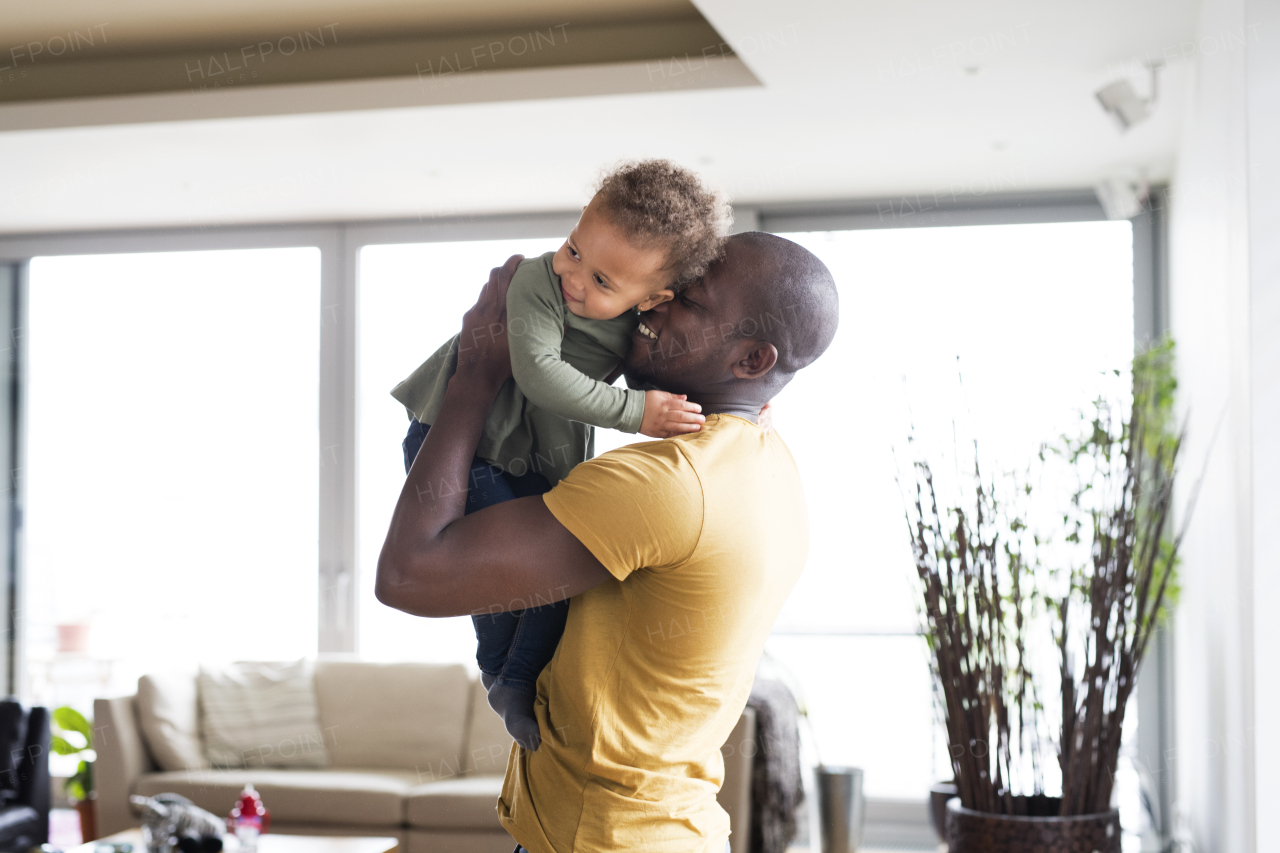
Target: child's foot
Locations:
point(516, 709)
point(486, 680)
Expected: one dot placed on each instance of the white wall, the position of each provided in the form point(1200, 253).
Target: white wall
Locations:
point(1225, 316)
point(1263, 76)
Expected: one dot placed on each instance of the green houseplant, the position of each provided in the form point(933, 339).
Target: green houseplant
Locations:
point(74, 736)
point(1036, 635)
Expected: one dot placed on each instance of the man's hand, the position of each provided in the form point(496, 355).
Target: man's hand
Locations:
point(667, 414)
point(483, 353)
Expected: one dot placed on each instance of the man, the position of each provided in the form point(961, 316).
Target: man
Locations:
point(678, 555)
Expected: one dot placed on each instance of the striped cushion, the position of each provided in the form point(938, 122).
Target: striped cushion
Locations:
point(261, 715)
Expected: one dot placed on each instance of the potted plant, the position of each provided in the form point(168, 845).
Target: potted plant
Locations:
point(1036, 630)
point(74, 736)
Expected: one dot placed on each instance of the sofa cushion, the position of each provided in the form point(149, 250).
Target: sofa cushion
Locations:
point(363, 797)
point(488, 744)
point(468, 803)
point(411, 716)
point(261, 715)
point(168, 720)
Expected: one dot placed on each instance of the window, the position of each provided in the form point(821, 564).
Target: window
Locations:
point(171, 479)
point(411, 300)
point(1030, 315)
point(176, 395)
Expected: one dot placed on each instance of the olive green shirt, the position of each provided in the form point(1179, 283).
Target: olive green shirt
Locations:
point(542, 418)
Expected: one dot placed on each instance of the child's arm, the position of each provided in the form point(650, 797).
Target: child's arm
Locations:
point(536, 333)
point(664, 412)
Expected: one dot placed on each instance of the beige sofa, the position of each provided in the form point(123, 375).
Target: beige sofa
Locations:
point(414, 752)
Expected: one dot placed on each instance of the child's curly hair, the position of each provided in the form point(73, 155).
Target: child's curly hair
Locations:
point(656, 201)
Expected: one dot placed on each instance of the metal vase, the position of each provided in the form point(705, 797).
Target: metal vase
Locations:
point(841, 808)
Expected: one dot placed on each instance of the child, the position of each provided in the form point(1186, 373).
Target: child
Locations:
point(650, 230)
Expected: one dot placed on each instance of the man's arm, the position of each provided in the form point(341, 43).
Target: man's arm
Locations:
point(435, 561)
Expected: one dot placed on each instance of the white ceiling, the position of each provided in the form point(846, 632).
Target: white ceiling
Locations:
point(858, 100)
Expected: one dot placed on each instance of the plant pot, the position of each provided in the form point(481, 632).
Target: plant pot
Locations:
point(938, 796)
point(969, 831)
point(840, 808)
point(88, 819)
point(73, 638)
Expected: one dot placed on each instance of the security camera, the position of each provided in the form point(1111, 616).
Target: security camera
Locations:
point(1124, 104)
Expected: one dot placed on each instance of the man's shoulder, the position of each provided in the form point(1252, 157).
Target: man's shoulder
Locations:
point(730, 452)
point(644, 461)
point(638, 477)
point(637, 507)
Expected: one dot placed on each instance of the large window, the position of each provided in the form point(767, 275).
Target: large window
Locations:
point(173, 414)
point(171, 476)
point(1030, 315)
point(411, 300)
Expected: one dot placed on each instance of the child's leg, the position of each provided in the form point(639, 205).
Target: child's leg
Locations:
point(529, 650)
point(534, 644)
point(413, 442)
point(511, 647)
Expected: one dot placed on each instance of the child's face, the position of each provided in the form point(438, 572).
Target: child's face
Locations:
point(602, 275)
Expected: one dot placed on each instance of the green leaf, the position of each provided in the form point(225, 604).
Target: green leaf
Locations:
point(71, 720)
point(62, 746)
point(80, 784)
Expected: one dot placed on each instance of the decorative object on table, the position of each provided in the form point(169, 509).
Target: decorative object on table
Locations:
point(170, 822)
point(25, 792)
point(74, 736)
point(777, 788)
point(249, 819)
point(841, 808)
point(1013, 617)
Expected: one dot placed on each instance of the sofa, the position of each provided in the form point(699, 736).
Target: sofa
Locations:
point(25, 792)
point(413, 752)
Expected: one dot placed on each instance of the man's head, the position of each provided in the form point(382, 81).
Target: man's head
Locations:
point(767, 308)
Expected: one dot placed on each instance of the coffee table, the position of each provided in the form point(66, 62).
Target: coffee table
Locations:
point(269, 843)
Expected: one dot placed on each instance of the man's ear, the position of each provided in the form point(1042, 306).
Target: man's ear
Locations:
point(757, 361)
point(655, 299)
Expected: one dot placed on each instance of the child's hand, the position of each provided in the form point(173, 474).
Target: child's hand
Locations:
point(765, 421)
point(666, 415)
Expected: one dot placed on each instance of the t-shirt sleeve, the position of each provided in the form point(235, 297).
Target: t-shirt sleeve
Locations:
point(535, 323)
point(637, 507)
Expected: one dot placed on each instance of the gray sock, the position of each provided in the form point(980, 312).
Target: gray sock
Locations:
point(486, 680)
point(515, 706)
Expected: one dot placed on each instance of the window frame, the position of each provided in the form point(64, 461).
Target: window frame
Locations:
point(340, 243)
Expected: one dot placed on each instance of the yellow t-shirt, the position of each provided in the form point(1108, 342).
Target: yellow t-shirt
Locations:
point(705, 534)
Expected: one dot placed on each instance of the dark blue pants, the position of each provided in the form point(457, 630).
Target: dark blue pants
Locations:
point(513, 645)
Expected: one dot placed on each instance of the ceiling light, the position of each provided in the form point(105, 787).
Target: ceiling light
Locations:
point(1124, 104)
